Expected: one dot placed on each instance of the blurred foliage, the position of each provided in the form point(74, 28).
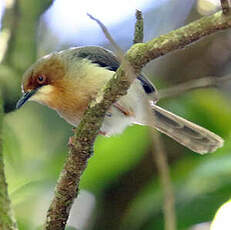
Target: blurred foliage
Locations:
point(35, 144)
point(115, 156)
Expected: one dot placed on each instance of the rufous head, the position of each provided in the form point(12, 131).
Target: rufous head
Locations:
point(64, 81)
point(42, 79)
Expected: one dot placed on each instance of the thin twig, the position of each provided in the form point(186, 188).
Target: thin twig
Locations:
point(192, 85)
point(83, 141)
point(118, 51)
point(225, 5)
point(7, 221)
point(159, 155)
point(139, 28)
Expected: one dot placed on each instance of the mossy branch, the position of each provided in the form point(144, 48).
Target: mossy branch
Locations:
point(139, 28)
point(83, 141)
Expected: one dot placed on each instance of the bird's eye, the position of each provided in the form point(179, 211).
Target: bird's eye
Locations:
point(41, 79)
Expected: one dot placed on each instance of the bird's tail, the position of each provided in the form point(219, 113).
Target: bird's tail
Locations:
point(192, 136)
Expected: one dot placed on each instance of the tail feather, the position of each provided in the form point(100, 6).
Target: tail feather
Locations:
point(192, 136)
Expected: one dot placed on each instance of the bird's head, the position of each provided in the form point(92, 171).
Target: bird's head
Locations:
point(64, 81)
point(43, 80)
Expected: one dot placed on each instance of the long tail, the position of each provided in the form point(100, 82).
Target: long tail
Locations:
point(192, 136)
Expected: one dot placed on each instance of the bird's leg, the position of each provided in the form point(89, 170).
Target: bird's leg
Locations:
point(124, 110)
point(102, 133)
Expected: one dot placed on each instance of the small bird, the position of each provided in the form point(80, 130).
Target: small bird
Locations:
point(68, 80)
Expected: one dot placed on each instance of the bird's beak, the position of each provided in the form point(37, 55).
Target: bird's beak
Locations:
point(25, 97)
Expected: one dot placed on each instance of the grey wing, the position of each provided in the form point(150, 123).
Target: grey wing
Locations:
point(105, 58)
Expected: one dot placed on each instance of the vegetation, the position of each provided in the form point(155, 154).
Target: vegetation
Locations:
point(121, 186)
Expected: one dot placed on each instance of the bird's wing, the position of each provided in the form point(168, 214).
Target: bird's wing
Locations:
point(105, 58)
point(193, 136)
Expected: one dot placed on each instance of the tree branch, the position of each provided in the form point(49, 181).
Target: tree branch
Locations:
point(7, 221)
point(83, 141)
point(192, 85)
point(139, 28)
point(225, 6)
point(141, 53)
point(118, 51)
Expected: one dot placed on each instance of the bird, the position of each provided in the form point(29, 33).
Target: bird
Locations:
point(68, 80)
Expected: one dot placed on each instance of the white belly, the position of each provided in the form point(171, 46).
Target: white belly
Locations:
point(135, 100)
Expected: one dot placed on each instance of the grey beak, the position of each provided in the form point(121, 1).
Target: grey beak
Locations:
point(25, 98)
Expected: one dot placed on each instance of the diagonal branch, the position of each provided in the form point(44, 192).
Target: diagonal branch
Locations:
point(118, 51)
point(83, 141)
point(141, 53)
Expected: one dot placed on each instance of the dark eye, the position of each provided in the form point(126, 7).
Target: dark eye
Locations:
point(41, 79)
